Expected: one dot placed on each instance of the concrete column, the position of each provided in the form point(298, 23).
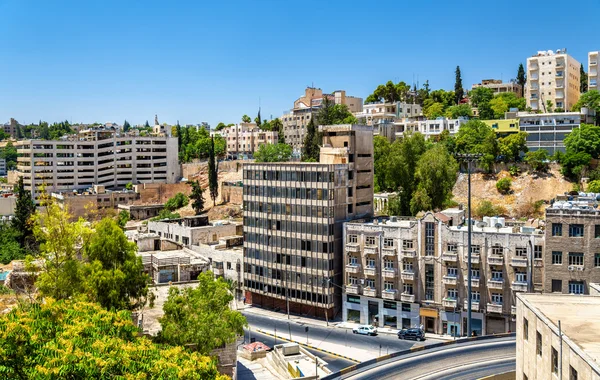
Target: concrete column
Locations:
point(364, 311)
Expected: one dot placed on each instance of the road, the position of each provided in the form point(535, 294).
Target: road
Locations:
point(465, 361)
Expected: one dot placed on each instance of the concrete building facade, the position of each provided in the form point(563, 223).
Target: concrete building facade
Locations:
point(552, 76)
point(374, 113)
point(593, 76)
point(94, 200)
point(10, 128)
point(3, 170)
point(548, 130)
point(96, 157)
point(500, 87)
point(558, 337)
point(407, 272)
point(244, 139)
point(194, 230)
point(293, 219)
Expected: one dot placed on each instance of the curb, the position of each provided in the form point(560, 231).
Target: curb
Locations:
point(311, 347)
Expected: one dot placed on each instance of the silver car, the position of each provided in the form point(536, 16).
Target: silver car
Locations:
point(365, 330)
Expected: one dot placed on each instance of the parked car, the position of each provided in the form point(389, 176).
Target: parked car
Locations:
point(365, 330)
point(416, 334)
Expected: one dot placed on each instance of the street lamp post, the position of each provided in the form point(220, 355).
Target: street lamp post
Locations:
point(469, 158)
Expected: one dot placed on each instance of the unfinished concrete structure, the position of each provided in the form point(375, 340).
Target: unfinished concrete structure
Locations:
point(180, 265)
point(193, 230)
point(96, 199)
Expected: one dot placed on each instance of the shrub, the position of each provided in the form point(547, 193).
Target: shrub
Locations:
point(503, 185)
point(594, 186)
point(514, 170)
point(179, 200)
point(487, 208)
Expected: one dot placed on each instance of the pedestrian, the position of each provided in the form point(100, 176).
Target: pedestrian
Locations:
point(421, 327)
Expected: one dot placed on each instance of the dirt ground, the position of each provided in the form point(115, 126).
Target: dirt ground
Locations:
point(527, 188)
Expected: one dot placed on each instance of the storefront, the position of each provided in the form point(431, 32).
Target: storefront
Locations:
point(351, 309)
point(429, 319)
point(390, 314)
point(451, 323)
point(477, 325)
point(409, 315)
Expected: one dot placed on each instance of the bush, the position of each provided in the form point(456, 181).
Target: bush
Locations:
point(487, 208)
point(179, 200)
point(537, 159)
point(503, 185)
point(514, 170)
point(594, 186)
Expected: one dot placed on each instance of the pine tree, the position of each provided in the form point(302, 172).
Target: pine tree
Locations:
point(583, 78)
point(458, 88)
point(126, 126)
point(178, 129)
point(258, 119)
point(310, 148)
point(213, 183)
point(146, 125)
point(197, 197)
point(23, 210)
point(521, 78)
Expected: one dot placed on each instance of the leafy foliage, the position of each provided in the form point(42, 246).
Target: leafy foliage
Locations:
point(487, 208)
point(594, 186)
point(246, 119)
point(503, 185)
point(10, 249)
point(80, 340)
point(513, 145)
point(461, 110)
point(477, 137)
point(196, 144)
point(201, 316)
point(197, 197)
point(177, 201)
point(537, 160)
point(521, 78)
point(312, 142)
point(273, 153)
point(123, 218)
point(458, 88)
point(24, 209)
point(9, 153)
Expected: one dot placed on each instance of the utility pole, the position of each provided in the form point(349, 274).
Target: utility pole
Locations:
point(469, 158)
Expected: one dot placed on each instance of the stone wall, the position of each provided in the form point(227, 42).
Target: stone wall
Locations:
point(231, 193)
point(227, 359)
point(160, 192)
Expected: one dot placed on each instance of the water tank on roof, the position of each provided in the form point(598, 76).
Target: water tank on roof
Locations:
point(486, 220)
point(493, 221)
point(393, 219)
point(502, 221)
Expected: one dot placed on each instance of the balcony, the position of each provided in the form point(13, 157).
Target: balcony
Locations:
point(496, 260)
point(533, 66)
point(352, 247)
point(513, 310)
point(449, 302)
point(407, 275)
point(495, 284)
point(533, 97)
point(560, 95)
point(518, 286)
point(560, 64)
point(218, 271)
point(352, 289)
point(370, 250)
point(353, 268)
point(474, 282)
point(389, 251)
point(593, 63)
point(474, 305)
point(559, 74)
point(409, 253)
point(449, 257)
point(475, 258)
point(389, 294)
point(389, 273)
point(370, 292)
point(534, 88)
point(369, 271)
point(518, 262)
point(560, 84)
point(494, 308)
point(405, 297)
point(449, 280)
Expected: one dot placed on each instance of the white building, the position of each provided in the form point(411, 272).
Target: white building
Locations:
point(552, 76)
point(244, 139)
point(375, 113)
point(431, 128)
point(593, 70)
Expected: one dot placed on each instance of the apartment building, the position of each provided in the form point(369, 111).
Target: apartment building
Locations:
point(293, 222)
point(194, 230)
point(557, 337)
point(500, 87)
point(2, 167)
point(374, 113)
point(305, 108)
point(96, 157)
point(593, 70)
point(552, 76)
point(408, 272)
point(433, 128)
point(244, 139)
point(93, 200)
point(10, 128)
point(572, 259)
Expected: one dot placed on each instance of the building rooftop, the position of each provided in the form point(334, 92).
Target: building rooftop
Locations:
point(579, 317)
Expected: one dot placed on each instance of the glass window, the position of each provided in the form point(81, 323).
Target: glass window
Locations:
point(497, 298)
point(370, 283)
point(597, 231)
point(575, 230)
point(554, 362)
point(407, 244)
point(575, 258)
point(556, 229)
point(572, 373)
point(429, 239)
point(475, 296)
point(388, 243)
point(407, 266)
point(521, 251)
point(452, 247)
point(576, 287)
point(429, 282)
point(371, 263)
point(407, 288)
point(521, 277)
point(475, 274)
point(405, 307)
point(557, 286)
point(475, 249)
point(388, 264)
point(452, 271)
point(538, 343)
point(556, 257)
point(537, 252)
point(388, 285)
point(370, 240)
point(497, 250)
point(452, 294)
point(352, 238)
point(525, 329)
point(597, 259)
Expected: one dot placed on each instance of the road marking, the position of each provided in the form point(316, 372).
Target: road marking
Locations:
point(468, 365)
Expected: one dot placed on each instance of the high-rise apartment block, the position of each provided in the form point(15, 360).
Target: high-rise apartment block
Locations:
point(593, 70)
point(293, 222)
point(552, 77)
point(408, 272)
point(97, 157)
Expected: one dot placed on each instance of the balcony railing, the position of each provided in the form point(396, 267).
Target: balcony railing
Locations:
point(449, 302)
point(407, 275)
point(352, 289)
point(494, 308)
point(370, 250)
point(352, 247)
point(519, 262)
point(389, 251)
point(370, 292)
point(389, 273)
point(353, 268)
point(475, 282)
point(389, 294)
point(449, 257)
point(474, 305)
point(496, 260)
point(449, 280)
point(495, 284)
point(369, 271)
point(405, 297)
point(475, 258)
point(409, 253)
point(518, 286)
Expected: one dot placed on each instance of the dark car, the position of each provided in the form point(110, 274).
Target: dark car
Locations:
point(416, 334)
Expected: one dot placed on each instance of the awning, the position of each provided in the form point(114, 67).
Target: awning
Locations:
point(424, 312)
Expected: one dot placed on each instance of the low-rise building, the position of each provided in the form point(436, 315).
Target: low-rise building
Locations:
point(8, 204)
point(434, 128)
point(374, 113)
point(558, 337)
point(503, 127)
point(193, 230)
point(95, 200)
point(500, 87)
point(408, 272)
point(180, 265)
point(10, 128)
point(3, 170)
point(143, 211)
point(244, 139)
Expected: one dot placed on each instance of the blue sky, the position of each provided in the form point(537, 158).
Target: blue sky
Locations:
point(211, 61)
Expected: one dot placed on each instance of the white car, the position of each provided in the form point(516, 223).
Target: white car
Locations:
point(365, 330)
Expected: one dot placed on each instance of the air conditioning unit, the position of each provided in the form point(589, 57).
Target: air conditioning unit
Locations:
point(580, 268)
point(571, 267)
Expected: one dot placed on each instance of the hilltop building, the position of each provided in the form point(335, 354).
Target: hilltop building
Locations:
point(500, 87)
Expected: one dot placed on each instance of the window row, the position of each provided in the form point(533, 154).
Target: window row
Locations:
point(289, 192)
point(291, 293)
point(289, 243)
point(290, 210)
point(294, 260)
point(284, 175)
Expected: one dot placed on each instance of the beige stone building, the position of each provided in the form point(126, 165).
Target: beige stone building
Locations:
point(558, 337)
point(500, 87)
point(96, 157)
point(593, 75)
point(407, 272)
point(244, 139)
point(94, 201)
point(552, 76)
point(572, 259)
point(194, 230)
point(293, 222)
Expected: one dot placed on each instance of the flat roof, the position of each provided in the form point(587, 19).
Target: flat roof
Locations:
point(579, 317)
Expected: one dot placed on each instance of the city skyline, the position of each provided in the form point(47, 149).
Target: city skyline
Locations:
point(96, 63)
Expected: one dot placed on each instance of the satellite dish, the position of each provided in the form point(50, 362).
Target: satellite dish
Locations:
point(481, 224)
point(498, 225)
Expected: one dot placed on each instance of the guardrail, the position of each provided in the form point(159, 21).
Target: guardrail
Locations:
point(368, 363)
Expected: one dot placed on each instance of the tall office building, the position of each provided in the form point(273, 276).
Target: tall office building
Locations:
point(552, 76)
point(293, 222)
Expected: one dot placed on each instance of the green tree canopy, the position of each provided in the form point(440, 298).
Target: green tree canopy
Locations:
point(201, 316)
point(312, 142)
point(9, 153)
point(177, 201)
point(458, 88)
point(246, 119)
point(220, 126)
point(481, 95)
point(461, 110)
point(381, 150)
point(513, 145)
point(521, 78)
point(22, 221)
point(434, 110)
point(585, 139)
point(477, 137)
point(273, 153)
point(591, 100)
point(537, 159)
point(213, 176)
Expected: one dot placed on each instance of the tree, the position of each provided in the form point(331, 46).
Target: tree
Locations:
point(220, 126)
point(312, 142)
point(575, 164)
point(503, 185)
point(10, 249)
point(201, 316)
point(177, 201)
point(593, 186)
point(590, 100)
point(461, 110)
point(114, 274)
point(122, 218)
point(513, 145)
point(178, 132)
point(381, 149)
point(258, 120)
point(538, 159)
point(213, 184)
point(434, 110)
point(146, 125)
point(586, 139)
point(129, 186)
point(481, 95)
point(583, 80)
point(521, 78)
point(331, 114)
point(9, 153)
point(458, 88)
point(499, 106)
point(549, 106)
point(273, 153)
point(487, 208)
point(80, 340)
point(22, 221)
point(197, 197)
point(126, 126)
point(436, 174)
point(277, 125)
point(477, 137)
point(246, 119)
